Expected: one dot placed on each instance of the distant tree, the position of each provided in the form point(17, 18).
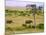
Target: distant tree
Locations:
point(33, 7)
point(28, 8)
point(40, 8)
point(34, 12)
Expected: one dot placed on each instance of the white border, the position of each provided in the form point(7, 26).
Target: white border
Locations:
point(2, 17)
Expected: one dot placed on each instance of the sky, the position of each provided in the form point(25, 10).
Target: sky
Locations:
point(21, 3)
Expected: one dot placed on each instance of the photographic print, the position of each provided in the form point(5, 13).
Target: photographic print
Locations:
point(23, 17)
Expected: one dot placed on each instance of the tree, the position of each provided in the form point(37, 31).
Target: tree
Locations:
point(33, 6)
point(40, 7)
point(28, 8)
point(40, 10)
point(34, 12)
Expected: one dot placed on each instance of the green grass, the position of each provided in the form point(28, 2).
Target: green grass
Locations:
point(20, 28)
point(19, 20)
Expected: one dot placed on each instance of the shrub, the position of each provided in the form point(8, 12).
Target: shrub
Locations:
point(28, 14)
point(41, 26)
point(24, 25)
point(8, 14)
point(9, 28)
point(6, 11)
point(29, 26)
point(33, 26)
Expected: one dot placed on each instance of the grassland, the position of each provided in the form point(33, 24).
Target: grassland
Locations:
point(18, 20)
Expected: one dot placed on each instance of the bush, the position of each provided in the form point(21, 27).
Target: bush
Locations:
point(29, 26)
point(8, 14)
point(7, 11)
point(33, 26)
point(40, 26)
point(10, 29)
point(24, 25)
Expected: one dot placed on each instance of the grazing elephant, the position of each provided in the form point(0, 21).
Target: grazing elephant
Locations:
point(28, 24)
point(9, 21)
point(28, 21)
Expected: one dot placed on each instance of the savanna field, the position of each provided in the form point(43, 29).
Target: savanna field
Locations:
point(16, 21)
